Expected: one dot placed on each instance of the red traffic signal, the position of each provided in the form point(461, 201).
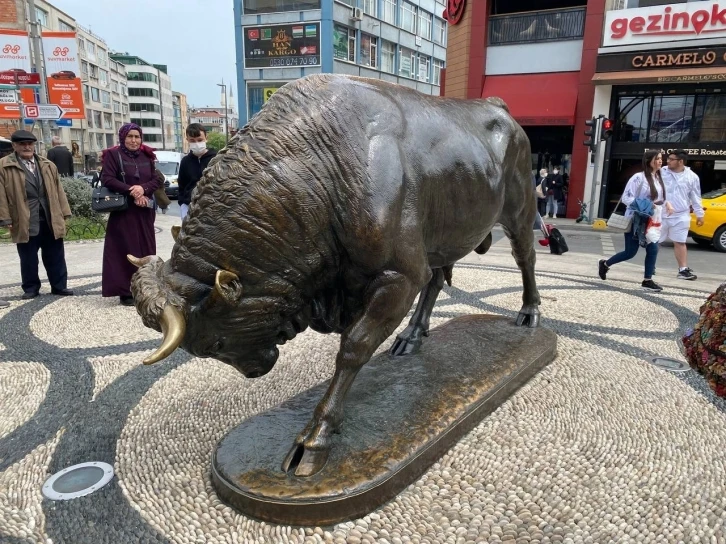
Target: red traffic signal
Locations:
point(607, 129)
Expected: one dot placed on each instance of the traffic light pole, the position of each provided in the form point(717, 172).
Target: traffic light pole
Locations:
point(595, 182)
point(595, 135)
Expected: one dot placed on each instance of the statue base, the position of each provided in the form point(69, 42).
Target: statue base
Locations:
point(401, 415)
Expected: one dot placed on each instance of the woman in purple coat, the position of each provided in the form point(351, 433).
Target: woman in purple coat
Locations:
point(129, 168)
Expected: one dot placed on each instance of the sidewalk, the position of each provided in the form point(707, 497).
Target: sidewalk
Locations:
point(599, 447)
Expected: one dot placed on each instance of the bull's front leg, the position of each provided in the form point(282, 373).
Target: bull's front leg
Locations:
point(388, 300)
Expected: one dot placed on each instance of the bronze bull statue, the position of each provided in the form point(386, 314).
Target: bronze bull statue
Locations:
point(342, 200)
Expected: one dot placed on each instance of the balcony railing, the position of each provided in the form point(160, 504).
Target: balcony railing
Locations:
point(537, 26)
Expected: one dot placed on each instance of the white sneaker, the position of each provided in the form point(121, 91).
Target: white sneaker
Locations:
point(554, 217)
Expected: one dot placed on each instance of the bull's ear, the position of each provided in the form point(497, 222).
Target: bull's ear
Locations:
point(228, 286)
point(175, 230)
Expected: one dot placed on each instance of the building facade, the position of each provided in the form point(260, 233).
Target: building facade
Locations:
point(181, 121)
point(539, 56)
point(402, 41)
point(150, 100)
point(659, 76)
point(105, 94)
point(104, 88)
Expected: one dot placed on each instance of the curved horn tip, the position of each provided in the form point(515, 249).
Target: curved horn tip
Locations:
point(173, 326)
point(175, 230)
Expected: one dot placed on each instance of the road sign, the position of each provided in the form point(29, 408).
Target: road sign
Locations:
point(42, 111)
point(8, 96)
point(24, 78)
point(64, 122)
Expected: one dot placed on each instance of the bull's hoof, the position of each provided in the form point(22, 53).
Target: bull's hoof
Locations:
point(403, 346)
point(303, 461)
point(408, 342)
point(528, 316)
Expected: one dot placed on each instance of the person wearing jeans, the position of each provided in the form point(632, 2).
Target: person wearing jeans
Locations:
point(647, 184)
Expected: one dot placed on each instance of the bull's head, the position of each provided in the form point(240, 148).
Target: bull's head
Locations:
point(209, 328)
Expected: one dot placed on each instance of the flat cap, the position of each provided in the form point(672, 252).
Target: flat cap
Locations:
point(23, 136)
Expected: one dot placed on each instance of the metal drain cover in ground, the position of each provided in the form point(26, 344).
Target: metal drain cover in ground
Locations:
point(666, 363)
point(77, 481)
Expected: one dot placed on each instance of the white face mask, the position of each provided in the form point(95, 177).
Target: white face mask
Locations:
point(555, 171)
point(198, 148)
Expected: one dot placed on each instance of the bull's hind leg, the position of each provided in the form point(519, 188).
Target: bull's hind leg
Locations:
point(410, 339)
point(389, 299)
point(521, 236)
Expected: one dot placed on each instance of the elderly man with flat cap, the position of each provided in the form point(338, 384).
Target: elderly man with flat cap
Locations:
point(34, 206)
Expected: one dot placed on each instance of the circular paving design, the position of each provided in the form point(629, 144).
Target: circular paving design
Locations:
point(599, 447)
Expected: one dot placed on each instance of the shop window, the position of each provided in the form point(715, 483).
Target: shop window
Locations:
point(423, 68)
point(368, 50)
point(440, 31)
point(438, 66)
point(344, 43)
point(709, 119)
point(389, 11)
point(253, 7)
point(408, 16)
point(671, 118)
point(425, 21)
point(407, 63)
point(388, 57)
point(371, 7)
point(632, 125)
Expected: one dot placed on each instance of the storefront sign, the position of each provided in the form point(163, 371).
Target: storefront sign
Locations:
point(14, 50)
point(282, 46)
point(62, 67)
point(454, 11)
point(659, 60)
point(704, 152)
point(669, 23)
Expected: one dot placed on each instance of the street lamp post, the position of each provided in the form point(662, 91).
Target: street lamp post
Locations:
point(226, 119)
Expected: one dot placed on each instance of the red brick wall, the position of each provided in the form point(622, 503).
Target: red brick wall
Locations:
point(8, 14)
point(466, 52)
point(585, 97)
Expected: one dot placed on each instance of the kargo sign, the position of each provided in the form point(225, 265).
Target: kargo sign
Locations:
point(678, 22)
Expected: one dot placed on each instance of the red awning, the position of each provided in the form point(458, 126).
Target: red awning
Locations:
point(537, 99)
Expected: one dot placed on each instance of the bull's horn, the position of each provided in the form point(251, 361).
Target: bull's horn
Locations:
point(138, 263)
point(175, 232)
point(173, 326)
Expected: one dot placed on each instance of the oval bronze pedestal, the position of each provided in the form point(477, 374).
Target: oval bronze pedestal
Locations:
point(401, 415)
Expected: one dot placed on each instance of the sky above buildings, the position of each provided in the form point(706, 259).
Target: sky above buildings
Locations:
point(194, 38)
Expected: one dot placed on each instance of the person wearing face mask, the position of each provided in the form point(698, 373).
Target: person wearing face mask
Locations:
point(554, 194)
point(192, 166)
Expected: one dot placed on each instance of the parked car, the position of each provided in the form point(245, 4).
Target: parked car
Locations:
point(168, 163)
point(6, 147)
point(713, 231)
point(64, 74)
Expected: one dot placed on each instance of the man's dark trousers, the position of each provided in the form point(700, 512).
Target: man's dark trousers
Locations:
point(54, 260)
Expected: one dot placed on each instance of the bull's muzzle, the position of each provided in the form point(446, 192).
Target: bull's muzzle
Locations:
point(173, 326)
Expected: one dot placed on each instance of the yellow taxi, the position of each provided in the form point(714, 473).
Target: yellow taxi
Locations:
point(713, 231)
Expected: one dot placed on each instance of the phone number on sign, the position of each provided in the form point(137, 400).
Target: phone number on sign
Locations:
point(294, 61)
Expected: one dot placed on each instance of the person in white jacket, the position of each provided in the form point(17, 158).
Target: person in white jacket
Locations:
point(683, 190)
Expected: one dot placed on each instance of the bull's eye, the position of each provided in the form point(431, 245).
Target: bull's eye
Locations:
point(217, 345)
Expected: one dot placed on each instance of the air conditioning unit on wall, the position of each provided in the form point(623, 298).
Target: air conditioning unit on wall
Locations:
point(357, 14)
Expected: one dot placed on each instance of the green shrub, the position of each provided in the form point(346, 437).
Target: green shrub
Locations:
point(78, 193)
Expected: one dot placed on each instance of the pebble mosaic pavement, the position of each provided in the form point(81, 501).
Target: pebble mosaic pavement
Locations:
point(600, 447)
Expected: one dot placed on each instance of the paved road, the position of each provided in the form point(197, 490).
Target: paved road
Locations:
point(604, 244)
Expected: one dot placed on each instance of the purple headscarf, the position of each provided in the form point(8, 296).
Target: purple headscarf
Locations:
point(145, 149)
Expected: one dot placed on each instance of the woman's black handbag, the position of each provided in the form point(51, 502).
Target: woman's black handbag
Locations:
point(103, 200)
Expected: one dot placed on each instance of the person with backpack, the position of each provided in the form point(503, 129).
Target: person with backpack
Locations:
point(642, 189)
